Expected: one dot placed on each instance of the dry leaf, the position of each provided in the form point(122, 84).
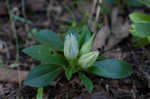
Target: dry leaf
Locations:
point(11, 76)
point(107, 38)
point(101, 36)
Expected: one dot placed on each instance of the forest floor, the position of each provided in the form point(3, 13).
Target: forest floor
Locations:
point(137, 86)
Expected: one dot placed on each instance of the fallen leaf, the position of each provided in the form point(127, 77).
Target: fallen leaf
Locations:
point(107, 37)
point(11, 76)
point(101, 36)
point(119, 29)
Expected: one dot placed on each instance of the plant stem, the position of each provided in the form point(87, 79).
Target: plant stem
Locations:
point(98, 12)
point(16, 38)
point(39, 93)
point(24, 14)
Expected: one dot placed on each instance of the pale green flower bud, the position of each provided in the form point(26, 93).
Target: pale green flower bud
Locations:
point(86, 47)
point(88, 59)
point(71, 48)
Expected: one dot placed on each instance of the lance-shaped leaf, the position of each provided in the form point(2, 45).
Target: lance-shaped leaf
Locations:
point(86, 47)
point(49, 38)
point(86, 82)
point(42, 75)
point(70, 70)
point(111, 68)
point(85, 35)
point(139, 18)
point(43, 53)
point(141, 29)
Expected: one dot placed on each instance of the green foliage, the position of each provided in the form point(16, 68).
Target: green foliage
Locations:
point(145, 2)
point(49, 38)
point(85, 35)
point(69, 71)
point(137, 17)
point(133, 3)
point(45, 54)
point(111, 1)
point(104, 9)
point(71, 61)
point(86, 82)
point(148, 38)
point(140, 27)
point(42, 75)
point(73, 22)
point(139, 42)
point(111, 68)
point(21, 19)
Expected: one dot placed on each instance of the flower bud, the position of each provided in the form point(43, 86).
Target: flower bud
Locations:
point(71, 49)
point(86, 47)
point(88, 59)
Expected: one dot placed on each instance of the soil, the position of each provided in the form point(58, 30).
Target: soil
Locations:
point(137, 86)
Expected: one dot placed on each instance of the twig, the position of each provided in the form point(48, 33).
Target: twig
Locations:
point(16, 37)
point(24, 14)
point(50, 3)
point(98, 12)
point(93, 9)
point(23, 8)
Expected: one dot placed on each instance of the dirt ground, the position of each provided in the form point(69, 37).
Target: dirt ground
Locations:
point(137, 86)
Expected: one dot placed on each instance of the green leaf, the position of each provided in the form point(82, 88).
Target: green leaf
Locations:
point(43, 53)
point(111, 68)
point(69, 71)
point(139, 42)
point(139, 18)
point(86, 82)
point(49, 38)
point(40, 93)
point(148, 38)
point(85, 35)
point(134, 3)
point(111, 1)
point(83, 20)
point(23, 20)
point(105, 10)
point(42, 75)
point(141, 29)
point(145, 2)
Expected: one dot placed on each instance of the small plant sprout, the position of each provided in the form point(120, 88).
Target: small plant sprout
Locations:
point(74, 56)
